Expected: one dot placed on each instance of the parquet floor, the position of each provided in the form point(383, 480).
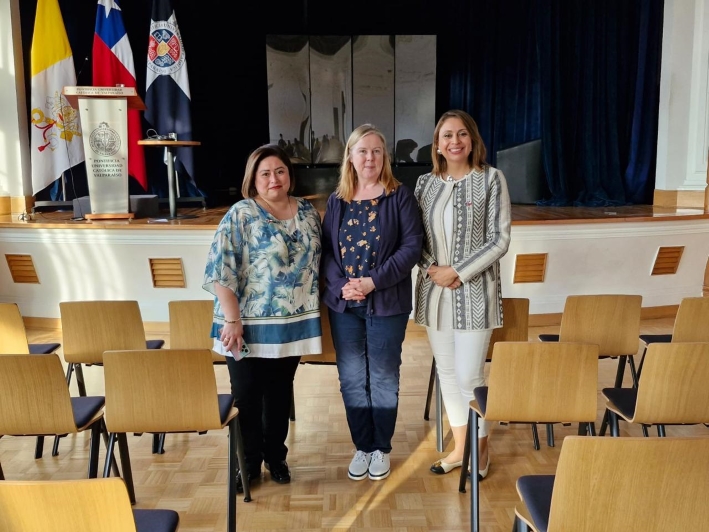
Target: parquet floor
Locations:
point(191, 476)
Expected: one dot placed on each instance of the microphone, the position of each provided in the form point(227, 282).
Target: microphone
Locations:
point(81, 69)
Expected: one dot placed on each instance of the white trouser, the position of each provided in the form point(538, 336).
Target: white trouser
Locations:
point(460, 363)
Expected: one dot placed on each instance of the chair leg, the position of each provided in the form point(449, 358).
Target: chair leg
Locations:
point(519, 526)
point(292, 405)
point(620, 372)
point(645, 433)
point(633, 371)
point(535, 436)
point(80, 380)
point(2, 475)
point(550, 435)
point(39, 447)
point(661, 431)
point(242, 459)
point(614, 423)
point(591, 429)
point(439, 416)
point(429, 394)
point(93, 448)
point(114, 465)
point(159, 443)
point(474, 481)
point(642, 359)
point(466, 456)
point(231, 478)
point(110, 455)
point(125, 464)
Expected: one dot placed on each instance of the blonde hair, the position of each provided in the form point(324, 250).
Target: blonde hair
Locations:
point(347, 185)
point(248, 187)
point(476, 158)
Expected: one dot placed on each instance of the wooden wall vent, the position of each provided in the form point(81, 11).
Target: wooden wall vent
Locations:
point(22, 268)
point(667, 260)
point(167, 273)
point(530, 268)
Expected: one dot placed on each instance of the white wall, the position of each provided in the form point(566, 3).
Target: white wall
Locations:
point(76, 264)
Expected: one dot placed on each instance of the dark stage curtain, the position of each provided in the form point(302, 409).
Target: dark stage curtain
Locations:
point(582, 76)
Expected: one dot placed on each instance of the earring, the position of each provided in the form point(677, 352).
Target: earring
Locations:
point(438, 151)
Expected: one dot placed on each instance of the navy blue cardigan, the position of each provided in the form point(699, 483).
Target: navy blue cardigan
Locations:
point(399, 250)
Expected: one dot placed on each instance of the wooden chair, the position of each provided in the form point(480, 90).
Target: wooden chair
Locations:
point(612, 321)
point(166, 391)
point(35, 401)
point(91, 327)
point(328, 356)
point(13, 341)
point(532, 382)
point(620, 485)
point(13, 335)
point(515, 328)
point(96, 505)
point(673, 390)
point(191, 324)
point(691, 325)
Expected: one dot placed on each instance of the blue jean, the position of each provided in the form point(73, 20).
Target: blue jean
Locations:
point(368, 350)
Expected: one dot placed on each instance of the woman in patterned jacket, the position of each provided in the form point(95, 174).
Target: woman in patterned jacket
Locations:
point(263, 269)
point(465, 210)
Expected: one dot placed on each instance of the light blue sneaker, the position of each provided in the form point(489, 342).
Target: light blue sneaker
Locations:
point(379, 466)
point(359, 466)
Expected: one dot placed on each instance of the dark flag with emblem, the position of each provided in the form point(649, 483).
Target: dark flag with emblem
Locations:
point(167, 94)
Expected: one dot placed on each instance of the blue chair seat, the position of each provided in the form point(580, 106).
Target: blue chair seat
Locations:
point(156, 520)
point(43, 349)
point(85, 408)
point(535, 491)
point(624, 399)
point(656, 338)
point(154, 344)
point(226, 401)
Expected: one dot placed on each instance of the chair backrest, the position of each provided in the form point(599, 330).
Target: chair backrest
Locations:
point(190, 325)
point(515, 323)
point(612, 321)
point(34, 396)
point(675, 384)
point(97, 504)
point(13, 336)
point(633, 483)
point(91, 327)
point(543, 382)
point(160, 390)
point(328, 348)
point(692, 320)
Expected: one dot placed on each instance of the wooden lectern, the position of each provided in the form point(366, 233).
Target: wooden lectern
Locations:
point(104, 124)
point(170, 146)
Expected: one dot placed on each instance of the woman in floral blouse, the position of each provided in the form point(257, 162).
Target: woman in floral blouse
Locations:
point(263, 269)
point(372, 239)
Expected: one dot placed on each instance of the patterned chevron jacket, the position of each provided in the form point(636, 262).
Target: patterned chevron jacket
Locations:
point(481, 229)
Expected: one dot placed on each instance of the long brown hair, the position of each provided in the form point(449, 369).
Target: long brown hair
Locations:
point(347, 186)
point(248, 188)
point(476, 158)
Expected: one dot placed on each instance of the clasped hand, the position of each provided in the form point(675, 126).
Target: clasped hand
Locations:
point(357, 289)
point(444, 276)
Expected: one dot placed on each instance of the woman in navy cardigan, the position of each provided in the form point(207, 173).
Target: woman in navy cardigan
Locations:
point(372, 238)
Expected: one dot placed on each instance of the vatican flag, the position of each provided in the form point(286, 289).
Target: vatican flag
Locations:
point(56, 143)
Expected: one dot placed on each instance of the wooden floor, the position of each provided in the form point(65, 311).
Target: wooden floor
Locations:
point(191, 476)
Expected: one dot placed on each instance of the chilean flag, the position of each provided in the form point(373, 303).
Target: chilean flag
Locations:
point(167, 93)
point(113, 65)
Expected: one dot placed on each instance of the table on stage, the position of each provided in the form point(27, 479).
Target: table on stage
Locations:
point(170, 146)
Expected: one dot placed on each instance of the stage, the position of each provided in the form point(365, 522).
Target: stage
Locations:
point(554, 252)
